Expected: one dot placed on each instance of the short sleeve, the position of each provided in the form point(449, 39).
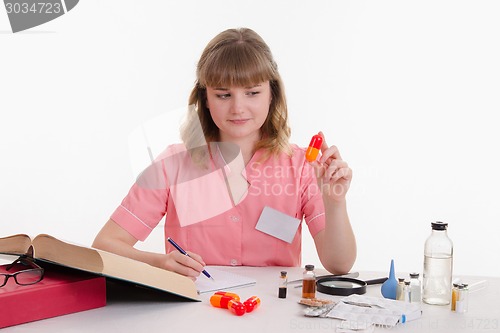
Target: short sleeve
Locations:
point(141, 211)
point(146, 202)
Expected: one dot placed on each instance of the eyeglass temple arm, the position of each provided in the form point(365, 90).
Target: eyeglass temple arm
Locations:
point(21, 259)
point(27, 258)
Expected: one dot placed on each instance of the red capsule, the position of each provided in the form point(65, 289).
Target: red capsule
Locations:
point(225, 293)
point(220, 301)
point(314, 148)
point(236, 307)
point(252, 303)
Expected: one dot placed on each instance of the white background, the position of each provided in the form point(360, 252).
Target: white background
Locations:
point(408, 90)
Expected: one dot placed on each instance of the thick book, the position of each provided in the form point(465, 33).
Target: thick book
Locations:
point(60, 292)
point(49, 249)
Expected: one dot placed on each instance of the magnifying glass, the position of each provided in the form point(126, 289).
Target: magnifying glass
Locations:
point(343, 286)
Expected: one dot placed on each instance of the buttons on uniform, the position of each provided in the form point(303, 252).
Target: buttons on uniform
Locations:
point(234, 217)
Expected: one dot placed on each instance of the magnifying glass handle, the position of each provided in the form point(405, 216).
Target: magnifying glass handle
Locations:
point(376, 281)
point(352, 275)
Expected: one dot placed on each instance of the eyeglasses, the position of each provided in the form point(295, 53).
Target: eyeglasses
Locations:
point(23, 277)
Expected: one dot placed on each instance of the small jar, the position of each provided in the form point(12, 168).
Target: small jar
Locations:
point(282, 285)
point(309, 282)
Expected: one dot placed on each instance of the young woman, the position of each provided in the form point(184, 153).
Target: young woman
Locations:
point(236, 191)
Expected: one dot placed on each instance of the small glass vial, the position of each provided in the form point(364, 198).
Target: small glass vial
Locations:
point(282, 285)
point(400, 289)
point(309, 282)
point(465, 297)
point(407, 292)
point(459, 298)
point(454, 296)
point(415, 288)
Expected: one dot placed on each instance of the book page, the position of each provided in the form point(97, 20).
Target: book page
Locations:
point(52, 249)
point(139, 272)
point(15, 244)
point(222, 280)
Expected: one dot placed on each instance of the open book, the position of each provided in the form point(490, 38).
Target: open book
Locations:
point(50, 249)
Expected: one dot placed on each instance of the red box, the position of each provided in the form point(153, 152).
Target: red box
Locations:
point(62, 291)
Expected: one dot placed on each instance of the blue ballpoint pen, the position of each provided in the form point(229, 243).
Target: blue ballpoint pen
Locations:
point(174, 244)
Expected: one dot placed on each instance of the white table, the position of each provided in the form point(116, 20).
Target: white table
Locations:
point(132, 309)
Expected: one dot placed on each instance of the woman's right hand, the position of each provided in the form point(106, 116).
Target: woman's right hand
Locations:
point(190, 266)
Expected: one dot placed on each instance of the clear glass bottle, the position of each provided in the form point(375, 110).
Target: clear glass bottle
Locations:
point(282, 285)
point(438, 266)
point(309, 282)
point(415, 288)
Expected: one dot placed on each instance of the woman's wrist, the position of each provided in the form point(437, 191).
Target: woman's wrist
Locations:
point(334, 204)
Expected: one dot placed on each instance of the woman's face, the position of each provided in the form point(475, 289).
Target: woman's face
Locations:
point(239, 112)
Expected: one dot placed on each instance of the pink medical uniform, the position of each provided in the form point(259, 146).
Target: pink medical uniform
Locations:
point(202, 218)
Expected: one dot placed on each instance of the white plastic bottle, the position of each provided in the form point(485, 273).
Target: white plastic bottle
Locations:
point(438, 266)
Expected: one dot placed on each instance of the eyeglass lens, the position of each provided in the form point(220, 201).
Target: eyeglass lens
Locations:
point(27, 277)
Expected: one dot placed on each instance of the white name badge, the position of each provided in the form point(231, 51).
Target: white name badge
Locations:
point(278, 224)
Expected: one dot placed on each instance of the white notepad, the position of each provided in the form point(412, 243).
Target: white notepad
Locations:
point(222, 280)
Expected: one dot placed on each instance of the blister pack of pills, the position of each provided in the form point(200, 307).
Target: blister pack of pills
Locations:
point(374, 310)
point(318, 311)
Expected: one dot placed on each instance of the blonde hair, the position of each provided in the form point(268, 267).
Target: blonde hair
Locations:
point(241, 58)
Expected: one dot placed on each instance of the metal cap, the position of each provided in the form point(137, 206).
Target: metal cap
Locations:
point(438, 225)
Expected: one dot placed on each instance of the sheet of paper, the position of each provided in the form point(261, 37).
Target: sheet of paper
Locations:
point(223, 280)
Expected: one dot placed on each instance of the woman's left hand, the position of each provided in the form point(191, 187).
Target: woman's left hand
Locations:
point(333, 173)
